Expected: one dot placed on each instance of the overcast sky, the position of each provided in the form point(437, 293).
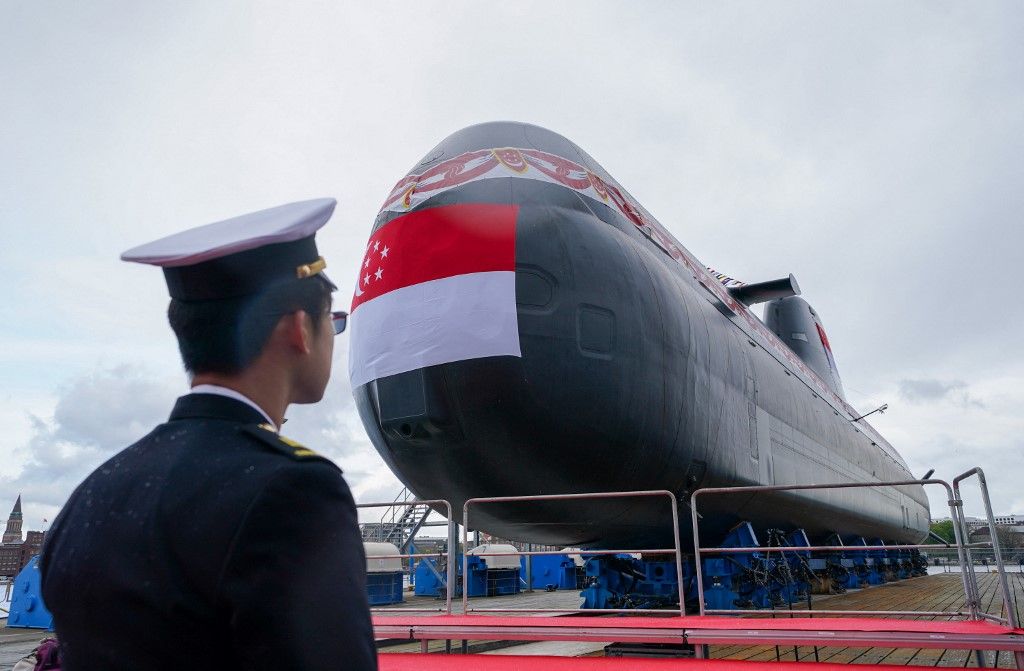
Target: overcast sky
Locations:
point(872, 149)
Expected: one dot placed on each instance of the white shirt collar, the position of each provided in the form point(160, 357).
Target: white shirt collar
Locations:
point(231, 393)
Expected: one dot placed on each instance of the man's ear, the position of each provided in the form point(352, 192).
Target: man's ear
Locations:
point(298, 331)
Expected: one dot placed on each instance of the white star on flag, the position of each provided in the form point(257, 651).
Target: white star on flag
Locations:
point(384, 252)
point(380, 271)
point(366, 280)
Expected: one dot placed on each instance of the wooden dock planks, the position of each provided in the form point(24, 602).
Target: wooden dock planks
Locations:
point(940, 592)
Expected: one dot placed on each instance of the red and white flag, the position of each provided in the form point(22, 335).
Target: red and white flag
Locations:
point(435, 285)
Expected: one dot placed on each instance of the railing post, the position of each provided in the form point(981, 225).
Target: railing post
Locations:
point(1009, 602)
point(453, 544)
point(465, 558)
point(963, 552)
point(956, 510)
point(411, 557)
point(697, 559)
point(677, 547)
point(679, 552)
point(529, 567)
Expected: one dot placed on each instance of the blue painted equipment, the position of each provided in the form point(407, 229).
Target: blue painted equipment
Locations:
point(762, 579)
point(27, 607)
point(550, 571)
point(488, 576)
point(903, 563)
point(429, 578)
point(872, 575)
point(884, 562)
point(493, 575)
point(842, 565)
point(792, 569)
point(859, 559)
point(383, 574)
point(383, 589)
point(744, 580)
point(892, 564)
point(919, 563)
point(624, 581)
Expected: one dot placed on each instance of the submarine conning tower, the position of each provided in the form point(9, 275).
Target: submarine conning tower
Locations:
point(797, 324)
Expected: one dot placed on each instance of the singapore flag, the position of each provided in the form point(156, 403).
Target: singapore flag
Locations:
point(435, 285)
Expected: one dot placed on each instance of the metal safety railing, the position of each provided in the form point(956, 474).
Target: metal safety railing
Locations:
point(1009, 603)
point(412, 556)
point(962, 541)
point(963, 547)
point(959, 520)
point(700, 552)
point(676, 550)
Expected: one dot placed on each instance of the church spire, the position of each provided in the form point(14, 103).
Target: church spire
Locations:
point(12, 534)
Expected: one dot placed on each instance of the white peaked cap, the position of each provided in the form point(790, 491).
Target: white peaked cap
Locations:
point(240, 256)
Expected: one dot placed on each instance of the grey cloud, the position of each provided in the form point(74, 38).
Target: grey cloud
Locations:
point(927, 390)
point(104, 411)
point(951, 456)
point(111, 408)
point(95, 416)
point(915, 390)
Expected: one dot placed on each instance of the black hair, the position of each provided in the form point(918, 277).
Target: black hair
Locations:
point(225, 336)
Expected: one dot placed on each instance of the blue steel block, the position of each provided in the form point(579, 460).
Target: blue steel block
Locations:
point(904, 564)
point(788, 570)
point(477, 569)
point(622, 581)
point(748, 580)
point(550, 570)
point(383, 589)
point(430, 581)
point(800, 571)
point(490, 582)
point(500, 582)
point(868, 563)
point(882, 563)
point(845, 566)
point(27, 607)
point(851, 576)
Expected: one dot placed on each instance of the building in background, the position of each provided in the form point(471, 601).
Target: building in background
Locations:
point(12, 533)
point(15, 551)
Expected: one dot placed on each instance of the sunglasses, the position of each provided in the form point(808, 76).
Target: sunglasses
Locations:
point(339, 320)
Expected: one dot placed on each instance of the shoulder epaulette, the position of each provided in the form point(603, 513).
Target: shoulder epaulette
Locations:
point(266, 434)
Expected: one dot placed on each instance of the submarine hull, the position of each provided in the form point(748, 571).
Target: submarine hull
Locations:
point(636, 371)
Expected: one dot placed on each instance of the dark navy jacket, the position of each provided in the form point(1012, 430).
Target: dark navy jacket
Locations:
point(212, 543)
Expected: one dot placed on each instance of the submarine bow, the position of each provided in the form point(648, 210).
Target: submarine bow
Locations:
point(522, 326)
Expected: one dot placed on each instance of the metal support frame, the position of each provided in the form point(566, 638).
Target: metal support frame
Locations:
point(450, 581)
point(970, 589)
point(1009, 602)
point(677, 550)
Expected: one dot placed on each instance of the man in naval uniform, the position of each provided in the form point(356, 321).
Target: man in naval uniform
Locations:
point(214, 542)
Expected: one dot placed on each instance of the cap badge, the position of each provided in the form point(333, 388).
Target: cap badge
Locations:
point(310, 269)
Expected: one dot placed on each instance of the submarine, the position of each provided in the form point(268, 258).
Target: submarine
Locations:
point(521, 325)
